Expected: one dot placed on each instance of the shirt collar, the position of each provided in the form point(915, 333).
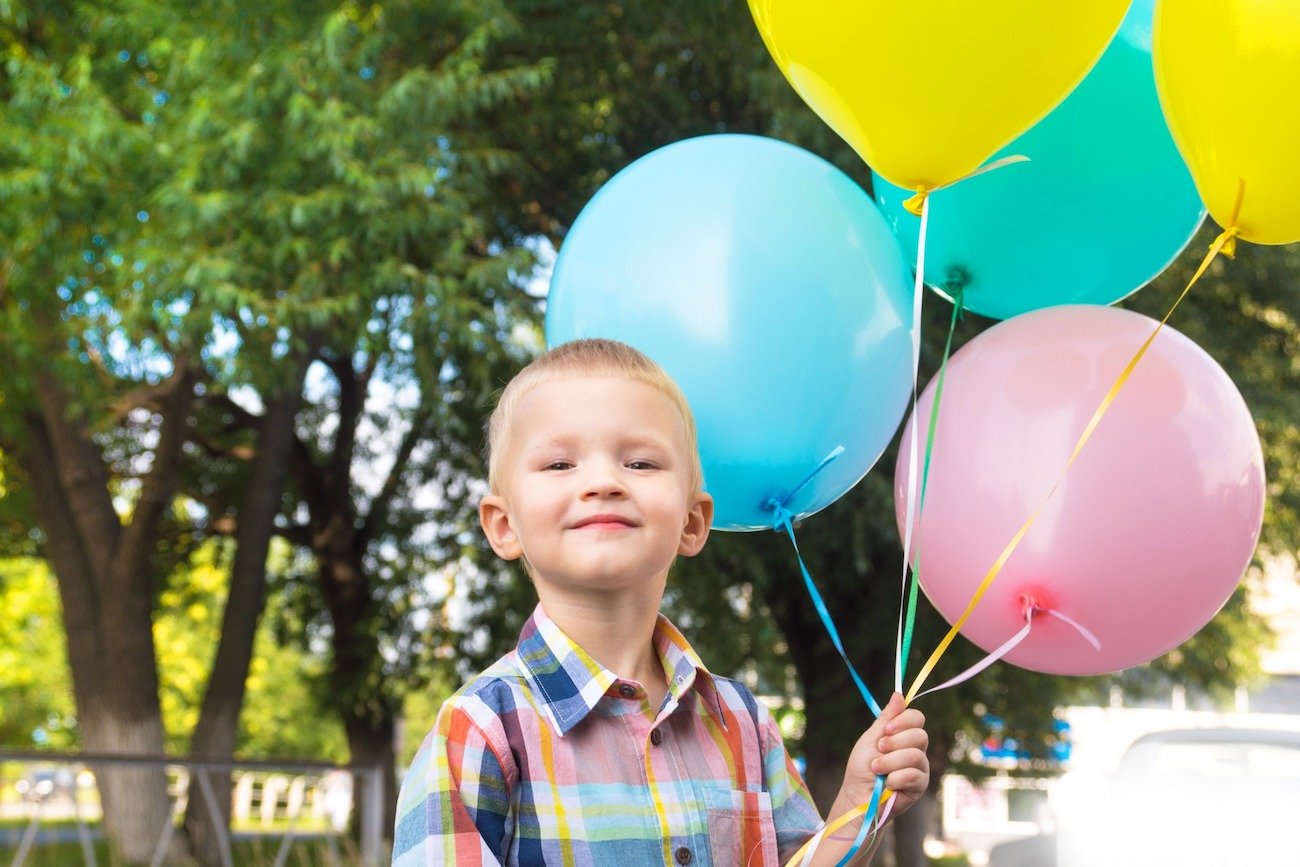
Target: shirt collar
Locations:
point(571, 683)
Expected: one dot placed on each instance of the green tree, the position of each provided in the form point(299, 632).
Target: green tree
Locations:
point(73, 154)
point(340, 167)
point(200, 204)
point(285, 712)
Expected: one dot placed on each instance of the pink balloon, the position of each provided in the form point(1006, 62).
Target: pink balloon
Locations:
point(1153, 525)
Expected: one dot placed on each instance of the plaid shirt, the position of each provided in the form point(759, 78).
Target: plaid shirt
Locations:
point(549, 758)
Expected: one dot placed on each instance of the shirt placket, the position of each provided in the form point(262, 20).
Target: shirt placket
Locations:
point(662, 762)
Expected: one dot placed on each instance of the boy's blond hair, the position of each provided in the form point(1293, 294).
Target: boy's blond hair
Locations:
point(587, 357)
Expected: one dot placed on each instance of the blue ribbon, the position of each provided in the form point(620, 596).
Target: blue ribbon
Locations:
point(867, 819)
point(782, 519)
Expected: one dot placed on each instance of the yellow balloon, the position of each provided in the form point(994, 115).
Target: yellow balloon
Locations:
point(1228, 75)
point(926, 90)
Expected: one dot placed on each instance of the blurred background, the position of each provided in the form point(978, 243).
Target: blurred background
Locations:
point(263, 268)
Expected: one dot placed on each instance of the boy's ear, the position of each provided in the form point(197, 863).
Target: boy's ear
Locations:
point(494, 517)
point(696, 529)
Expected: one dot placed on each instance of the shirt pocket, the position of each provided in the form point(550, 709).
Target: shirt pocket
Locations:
point(741, 831)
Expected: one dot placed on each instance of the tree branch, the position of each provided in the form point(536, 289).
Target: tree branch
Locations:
point(352, 401)
point(159, 484)
point(78, 465)
point(379, 507)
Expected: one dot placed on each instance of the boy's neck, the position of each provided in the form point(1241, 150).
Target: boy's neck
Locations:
point(618, 635)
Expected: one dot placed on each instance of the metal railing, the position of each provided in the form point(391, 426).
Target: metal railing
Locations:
point(43, 790)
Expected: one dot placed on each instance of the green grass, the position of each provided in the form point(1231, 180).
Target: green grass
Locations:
point(258, 851)
point(246, 853)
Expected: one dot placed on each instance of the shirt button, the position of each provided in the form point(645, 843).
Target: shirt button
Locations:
point(683, 855)
point(656, 737)
point(627, 690)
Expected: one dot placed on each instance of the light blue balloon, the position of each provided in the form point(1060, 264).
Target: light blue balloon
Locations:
point(767, 284)
point(1103, 206)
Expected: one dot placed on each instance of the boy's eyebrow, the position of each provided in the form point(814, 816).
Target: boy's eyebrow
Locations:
point(647, 441)
point(632, 441)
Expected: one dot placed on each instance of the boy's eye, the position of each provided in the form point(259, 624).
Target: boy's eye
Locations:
point(558, 465)
point(642, 465)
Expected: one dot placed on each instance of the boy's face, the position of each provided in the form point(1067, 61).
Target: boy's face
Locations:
point(596, 489)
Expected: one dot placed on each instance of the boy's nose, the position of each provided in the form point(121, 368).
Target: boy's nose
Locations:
point(603, 481)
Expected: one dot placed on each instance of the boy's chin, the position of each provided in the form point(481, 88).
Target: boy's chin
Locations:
point(600, 581)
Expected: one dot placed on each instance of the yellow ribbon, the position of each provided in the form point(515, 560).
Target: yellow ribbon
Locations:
point(834, 825)
point(1225, 243)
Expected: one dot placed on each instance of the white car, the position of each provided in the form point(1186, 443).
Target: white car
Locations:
point(1193, 798)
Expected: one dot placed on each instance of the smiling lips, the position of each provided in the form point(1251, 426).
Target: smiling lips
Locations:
point(604, 522)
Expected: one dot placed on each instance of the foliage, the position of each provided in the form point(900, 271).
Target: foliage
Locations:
point(283, 715)
point(284, 706)
point(35, 695)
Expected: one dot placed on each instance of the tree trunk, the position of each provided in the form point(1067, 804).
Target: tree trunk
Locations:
point(910, 830)
point(925, 817)
point(106, 584)
point(218, 726)
point(367, 705)
point(371, 743)
point(364, 702)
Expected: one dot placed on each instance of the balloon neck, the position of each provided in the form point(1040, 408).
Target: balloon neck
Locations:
point(916, 204)
point(782, 517)
point(1227, 242)
point(954, 286)
point(957, 279)
point(1033, 605)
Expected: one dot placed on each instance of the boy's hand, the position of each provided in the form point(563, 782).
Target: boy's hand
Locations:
point(893, 747)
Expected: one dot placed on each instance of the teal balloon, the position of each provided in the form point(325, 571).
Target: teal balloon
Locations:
point(768, 285)
point(1103, 206)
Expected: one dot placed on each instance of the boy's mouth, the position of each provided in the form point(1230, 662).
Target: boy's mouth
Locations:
point(603, 522)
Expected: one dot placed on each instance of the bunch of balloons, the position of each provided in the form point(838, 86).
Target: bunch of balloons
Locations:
point(778, 294)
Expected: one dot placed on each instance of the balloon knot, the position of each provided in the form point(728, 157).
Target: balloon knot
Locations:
point(1029, 607)
point(1229, 247)
point(781, 516)
point(916, 204)
point(955, 285)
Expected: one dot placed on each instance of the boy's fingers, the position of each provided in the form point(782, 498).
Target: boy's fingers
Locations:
point(907, 738)
point(899, 761)
point(909, 781)
point(911, 718)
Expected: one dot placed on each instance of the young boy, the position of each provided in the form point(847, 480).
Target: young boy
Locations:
point(602, 738)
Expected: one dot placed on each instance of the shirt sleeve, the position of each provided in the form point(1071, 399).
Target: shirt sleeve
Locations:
point(454, 805)
point(794, 814)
